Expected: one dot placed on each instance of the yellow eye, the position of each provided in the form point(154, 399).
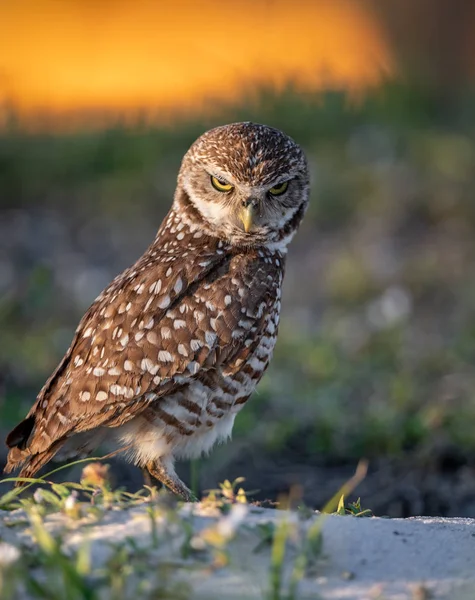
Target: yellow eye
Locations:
point(277, 190)
point(221, 185)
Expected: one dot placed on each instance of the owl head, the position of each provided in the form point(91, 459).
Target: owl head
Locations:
point(246, 183)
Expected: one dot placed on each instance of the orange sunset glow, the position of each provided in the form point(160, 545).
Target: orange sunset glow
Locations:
point(58, 56)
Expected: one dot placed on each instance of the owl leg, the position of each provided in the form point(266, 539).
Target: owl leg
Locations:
point(167, 477)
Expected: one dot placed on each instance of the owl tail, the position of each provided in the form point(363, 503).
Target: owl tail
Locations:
point(30, 463)
point(20, 454)
point(17, 441)
point(19, 436)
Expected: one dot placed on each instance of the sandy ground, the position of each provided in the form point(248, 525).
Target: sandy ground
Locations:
point(360, 558)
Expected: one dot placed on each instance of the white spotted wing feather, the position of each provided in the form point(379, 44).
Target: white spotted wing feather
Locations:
point(163, 324)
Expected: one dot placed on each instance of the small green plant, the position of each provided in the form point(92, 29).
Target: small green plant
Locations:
point(226, 495)
point(306, 549)
point(336, 503)
point(276, 574)
point(50, 571)
point(353, 508)
point(64, 576)
point(149, 569)
point(309, 542)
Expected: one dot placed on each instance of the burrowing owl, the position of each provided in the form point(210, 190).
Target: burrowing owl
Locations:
point(171, 350)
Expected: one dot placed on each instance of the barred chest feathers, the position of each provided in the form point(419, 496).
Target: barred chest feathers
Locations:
point(188, 422)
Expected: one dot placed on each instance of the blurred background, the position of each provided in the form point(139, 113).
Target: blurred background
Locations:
point(100, 99)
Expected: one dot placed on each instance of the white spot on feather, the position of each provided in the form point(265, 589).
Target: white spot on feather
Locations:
point(182, 350)
point(178, 285)
point(165, 356)
point(164, 302)
point(195, 345)
point(152, 337)
point(198, 315)
point(193, 367)
point(148, 365)
point(210, 338)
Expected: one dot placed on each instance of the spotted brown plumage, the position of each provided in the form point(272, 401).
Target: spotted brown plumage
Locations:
point(171, 350)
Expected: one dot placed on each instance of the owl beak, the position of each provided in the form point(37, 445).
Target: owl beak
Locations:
point(247, 216)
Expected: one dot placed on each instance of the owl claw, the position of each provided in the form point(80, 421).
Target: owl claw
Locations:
point(157, 470)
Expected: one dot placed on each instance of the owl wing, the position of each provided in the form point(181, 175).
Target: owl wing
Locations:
point(161, 323)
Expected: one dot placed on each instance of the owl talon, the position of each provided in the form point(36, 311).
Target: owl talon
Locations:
point(157, 471)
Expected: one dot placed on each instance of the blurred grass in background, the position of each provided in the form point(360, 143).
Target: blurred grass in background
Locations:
point(377, 341)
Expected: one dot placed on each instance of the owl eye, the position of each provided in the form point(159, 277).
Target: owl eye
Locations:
point(221, 185)
point(279, 189)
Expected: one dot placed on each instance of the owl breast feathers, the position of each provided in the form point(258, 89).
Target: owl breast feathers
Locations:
point(169, 353)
